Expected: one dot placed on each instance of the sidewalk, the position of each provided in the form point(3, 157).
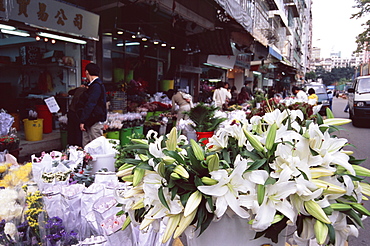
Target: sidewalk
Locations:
point(49, 142)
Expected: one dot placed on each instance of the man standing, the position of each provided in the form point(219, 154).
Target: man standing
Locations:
point(300, 95)
point(94, 111)
point(221, 95)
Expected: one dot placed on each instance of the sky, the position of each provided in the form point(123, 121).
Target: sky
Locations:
point(332, 28)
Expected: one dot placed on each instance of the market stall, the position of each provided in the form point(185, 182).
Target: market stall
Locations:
point(262, 173)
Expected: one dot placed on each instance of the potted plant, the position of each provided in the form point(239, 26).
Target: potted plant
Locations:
point(204, 119)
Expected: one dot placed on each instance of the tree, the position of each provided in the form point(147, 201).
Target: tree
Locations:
point(363, 39)
point(311, 75)
point(335, 75)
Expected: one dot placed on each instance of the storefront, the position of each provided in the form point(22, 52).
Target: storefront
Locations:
point(42, 45)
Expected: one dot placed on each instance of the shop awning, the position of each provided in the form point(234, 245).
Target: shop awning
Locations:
point(215, 42)
point(275, 53)
point(226, 62)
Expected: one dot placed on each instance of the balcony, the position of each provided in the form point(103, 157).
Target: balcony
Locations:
point(293, 4)
point(271, 5)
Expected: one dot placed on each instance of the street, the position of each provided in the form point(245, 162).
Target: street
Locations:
point(359, 138)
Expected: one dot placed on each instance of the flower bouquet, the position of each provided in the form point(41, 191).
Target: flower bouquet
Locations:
point(63, 122)
point(272, 171)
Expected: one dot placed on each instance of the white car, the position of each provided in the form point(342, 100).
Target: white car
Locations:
point(359, 100)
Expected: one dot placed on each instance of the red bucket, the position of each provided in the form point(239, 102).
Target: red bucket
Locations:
point(43, 112)
point(205, 136)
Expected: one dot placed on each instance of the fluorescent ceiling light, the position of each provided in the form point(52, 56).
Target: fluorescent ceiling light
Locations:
point(132, 43)
point(63, 38)
point(18, 33)
point(11, 28)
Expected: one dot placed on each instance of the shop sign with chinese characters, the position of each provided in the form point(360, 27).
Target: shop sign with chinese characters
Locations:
point(52, 15)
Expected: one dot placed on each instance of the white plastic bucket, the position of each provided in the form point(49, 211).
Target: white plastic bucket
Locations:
point(103, 161)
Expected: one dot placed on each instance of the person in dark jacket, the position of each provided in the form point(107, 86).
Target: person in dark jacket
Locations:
point(243, 96)
point(73, 127)
point(93, 112)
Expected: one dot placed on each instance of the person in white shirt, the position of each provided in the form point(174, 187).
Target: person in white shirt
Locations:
point(300, 94)
point(221, 95)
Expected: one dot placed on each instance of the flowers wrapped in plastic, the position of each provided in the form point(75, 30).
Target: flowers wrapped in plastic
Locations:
point(274, 170)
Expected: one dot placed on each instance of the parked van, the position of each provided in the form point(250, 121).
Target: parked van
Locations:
point(359, 100)
point(320, 91)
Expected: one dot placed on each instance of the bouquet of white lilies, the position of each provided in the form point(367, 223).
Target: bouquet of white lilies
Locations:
point(275, 170)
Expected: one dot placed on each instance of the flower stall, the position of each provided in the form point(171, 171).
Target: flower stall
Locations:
point(255, 176)
point(258, 177)
point(9, 141)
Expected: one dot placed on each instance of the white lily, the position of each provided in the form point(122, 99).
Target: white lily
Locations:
point(342, 229)
point(275, 117)
point(227, 191)
point(218, 141)
point(152, 183)
point(256, 124)
point(329, 148)
point(152, 134)
point(275, 200)
point(294, 114)
point(307, 233)
point(156, 149)
point(236, 131)
point(249, 200)
point(306, 191)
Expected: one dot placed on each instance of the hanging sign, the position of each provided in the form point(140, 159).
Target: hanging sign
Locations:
point(50, 14)
point(52, 104)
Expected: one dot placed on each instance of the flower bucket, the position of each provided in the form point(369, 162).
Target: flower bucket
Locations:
point(124, 135)
point(138, 131)
point(238, 233)
point(33, 129)
point(44, 113)
point(205, 135)
point(113, 134)
point(64, 138)
point(103, 161)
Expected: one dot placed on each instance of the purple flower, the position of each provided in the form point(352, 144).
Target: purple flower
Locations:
point(56, 230)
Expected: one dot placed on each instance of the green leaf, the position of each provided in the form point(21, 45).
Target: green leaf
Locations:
point(175, 156)
point(313, 152)
point(331, 234)
point(131, 161)
point(270, 181)
point(355, 217)
point(197, 181)
point(304, 175)
point(257, 164)
point(162, 198)
point(319, 120)
point(308, 122)
point(185, 197)
point(354, 178)
point(145, 165)
point(171, 183)
point(328, 210)
point(210, 203)
point(355, 161)
point(274, 230)
point(136, 147)
point(119, 213)
point(206, 221)
point(225, 155)
point(174, 192)
point(249, 154)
